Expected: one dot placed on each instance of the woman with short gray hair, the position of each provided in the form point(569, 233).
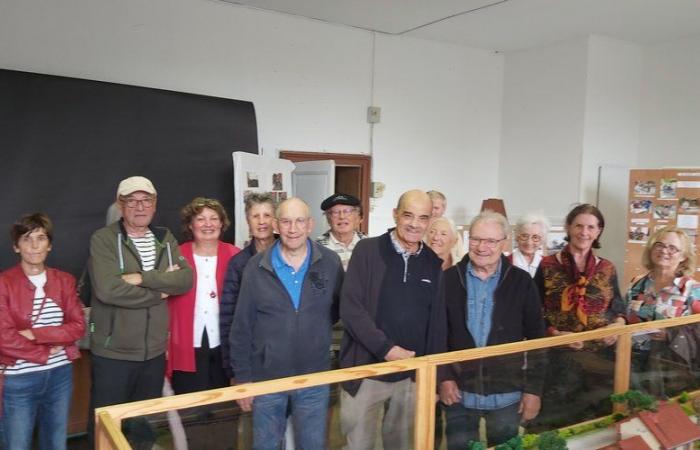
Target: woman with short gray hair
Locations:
point(530, 237)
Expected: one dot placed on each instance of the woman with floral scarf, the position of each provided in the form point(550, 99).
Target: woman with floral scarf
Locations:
point(580, 293)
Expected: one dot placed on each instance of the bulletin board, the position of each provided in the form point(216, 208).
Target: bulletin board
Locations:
point(659, 198)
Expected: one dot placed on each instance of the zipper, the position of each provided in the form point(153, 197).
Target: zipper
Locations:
point(145, 335)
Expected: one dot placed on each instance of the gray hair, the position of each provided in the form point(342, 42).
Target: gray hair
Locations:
point(491, 216)
point(257, 198)
point(532, 219)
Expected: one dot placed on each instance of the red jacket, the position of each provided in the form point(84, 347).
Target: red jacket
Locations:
point(16, 301)
point(181, 342)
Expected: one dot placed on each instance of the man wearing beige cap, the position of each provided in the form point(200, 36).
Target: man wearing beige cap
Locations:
point(133, 268)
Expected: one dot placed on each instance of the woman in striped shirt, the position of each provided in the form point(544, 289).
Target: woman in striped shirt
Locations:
point(40, 320)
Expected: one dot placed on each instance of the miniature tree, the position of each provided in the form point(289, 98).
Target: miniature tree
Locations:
point(550, 440)
point(684, 397)
point(476, 445)
point(529, 440)
point(636, 401)
point(514, 443)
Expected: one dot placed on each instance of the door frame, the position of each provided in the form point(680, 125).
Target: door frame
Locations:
point(364, 162)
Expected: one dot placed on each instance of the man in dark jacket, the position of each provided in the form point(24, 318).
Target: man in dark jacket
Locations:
point(489, 301)
point(282, 327)
point(392, 308)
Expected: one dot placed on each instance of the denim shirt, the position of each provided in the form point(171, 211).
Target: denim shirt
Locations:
point(479, 317)
point(291, 279)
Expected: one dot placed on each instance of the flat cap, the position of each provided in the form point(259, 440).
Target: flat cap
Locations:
point(339, 199)
point(135, 184)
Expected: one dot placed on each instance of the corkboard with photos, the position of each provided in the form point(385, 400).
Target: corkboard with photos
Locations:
point(659, 198)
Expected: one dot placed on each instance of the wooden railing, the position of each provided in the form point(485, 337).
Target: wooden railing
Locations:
point(108, 419)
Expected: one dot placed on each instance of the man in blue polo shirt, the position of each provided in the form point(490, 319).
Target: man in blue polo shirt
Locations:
point(282, 327)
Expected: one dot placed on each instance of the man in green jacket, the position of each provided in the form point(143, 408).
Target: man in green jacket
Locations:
point(134, 267)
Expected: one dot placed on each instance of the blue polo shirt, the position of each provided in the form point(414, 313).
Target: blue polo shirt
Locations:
point(479, 317)
point(292, 280)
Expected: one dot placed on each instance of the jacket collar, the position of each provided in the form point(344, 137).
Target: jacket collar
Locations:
point(461, 267)
point(16, 274)
point(158, 232)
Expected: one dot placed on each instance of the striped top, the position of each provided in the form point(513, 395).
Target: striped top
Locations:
point(146, 246)
point(50, 315)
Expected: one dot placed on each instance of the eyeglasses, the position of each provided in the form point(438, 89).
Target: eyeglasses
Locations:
point(490, 243)
point(524, 237)
point(133, 202)
point(300, 222)
point(671, 249)
point(339, 212)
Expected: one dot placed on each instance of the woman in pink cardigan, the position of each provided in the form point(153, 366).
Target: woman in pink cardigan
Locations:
point(194, 351)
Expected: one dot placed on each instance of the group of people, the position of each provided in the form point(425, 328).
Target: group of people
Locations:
point(204, 314)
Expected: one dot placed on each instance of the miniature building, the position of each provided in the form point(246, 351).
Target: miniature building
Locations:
point(668, 428)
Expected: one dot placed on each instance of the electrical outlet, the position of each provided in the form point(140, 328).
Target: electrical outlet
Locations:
point(374, 114)
point(376, 189)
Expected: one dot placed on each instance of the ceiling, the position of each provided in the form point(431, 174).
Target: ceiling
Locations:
point(503, 25)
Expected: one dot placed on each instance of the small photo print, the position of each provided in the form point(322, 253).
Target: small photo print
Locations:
point(279, 197)
point(668, 188)
point(555, 239)
point(644, 188)
point(688, 205)
point(665, 212)
point(252, 178)
point(638, 234)
point(277, 182)
point(640, 206)
point(658, 227)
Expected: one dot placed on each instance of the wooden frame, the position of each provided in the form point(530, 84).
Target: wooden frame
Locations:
point(108, 418)
point(363, 162)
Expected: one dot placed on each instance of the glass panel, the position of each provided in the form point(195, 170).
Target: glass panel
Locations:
point(320, 417)
point(664, 362)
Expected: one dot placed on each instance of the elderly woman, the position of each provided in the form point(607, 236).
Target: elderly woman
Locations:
point(41, 318)
point(530, 235)
point(194, 348)
point(666, 291)
point(445, 241)
point(580, 292)
point(260, 214)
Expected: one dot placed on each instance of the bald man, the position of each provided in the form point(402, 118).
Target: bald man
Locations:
point(282, 327)
point(392, 308)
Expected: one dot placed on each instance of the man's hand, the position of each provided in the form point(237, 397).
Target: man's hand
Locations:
point(246, 404)
point(28, 334)
point(396, 353)
point(173, 268)
point(529, 407)
point(134, 279)
point(449, 393)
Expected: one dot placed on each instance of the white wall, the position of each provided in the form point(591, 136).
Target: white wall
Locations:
point(670, 105)
point(544, 98)
point(440, 124)
point(310, 82)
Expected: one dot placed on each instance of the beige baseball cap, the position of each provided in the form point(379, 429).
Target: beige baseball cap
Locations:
point(134, 184)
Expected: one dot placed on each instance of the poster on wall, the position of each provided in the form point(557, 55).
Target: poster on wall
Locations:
point(659, 198)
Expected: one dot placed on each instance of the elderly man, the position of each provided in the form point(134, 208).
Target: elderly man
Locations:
point(392, 307)
point(439, 203)
point(344, 215)
point(133, 269)
point(489, 301)
point(287, 305)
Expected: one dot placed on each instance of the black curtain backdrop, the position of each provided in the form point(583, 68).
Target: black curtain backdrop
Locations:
point(66, 143)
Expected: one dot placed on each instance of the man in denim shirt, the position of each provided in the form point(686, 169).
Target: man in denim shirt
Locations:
point(489, 302)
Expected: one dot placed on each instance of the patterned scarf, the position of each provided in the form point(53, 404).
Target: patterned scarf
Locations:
point(574, 295)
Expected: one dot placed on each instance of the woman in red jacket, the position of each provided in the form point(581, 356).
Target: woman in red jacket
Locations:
point(41, 318)
point(194, 356)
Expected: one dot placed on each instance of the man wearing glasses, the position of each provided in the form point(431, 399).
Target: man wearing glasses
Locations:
point(133, 268)
point(344, 214)
point(489, 302)
point(282, 327)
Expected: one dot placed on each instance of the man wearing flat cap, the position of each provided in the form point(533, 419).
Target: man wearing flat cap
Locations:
point(344, 215)
point(134, 267)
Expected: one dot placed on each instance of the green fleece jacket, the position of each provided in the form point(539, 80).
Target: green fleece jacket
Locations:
point(130, 322)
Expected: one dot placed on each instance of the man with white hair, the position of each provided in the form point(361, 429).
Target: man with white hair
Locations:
point(489, 301)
